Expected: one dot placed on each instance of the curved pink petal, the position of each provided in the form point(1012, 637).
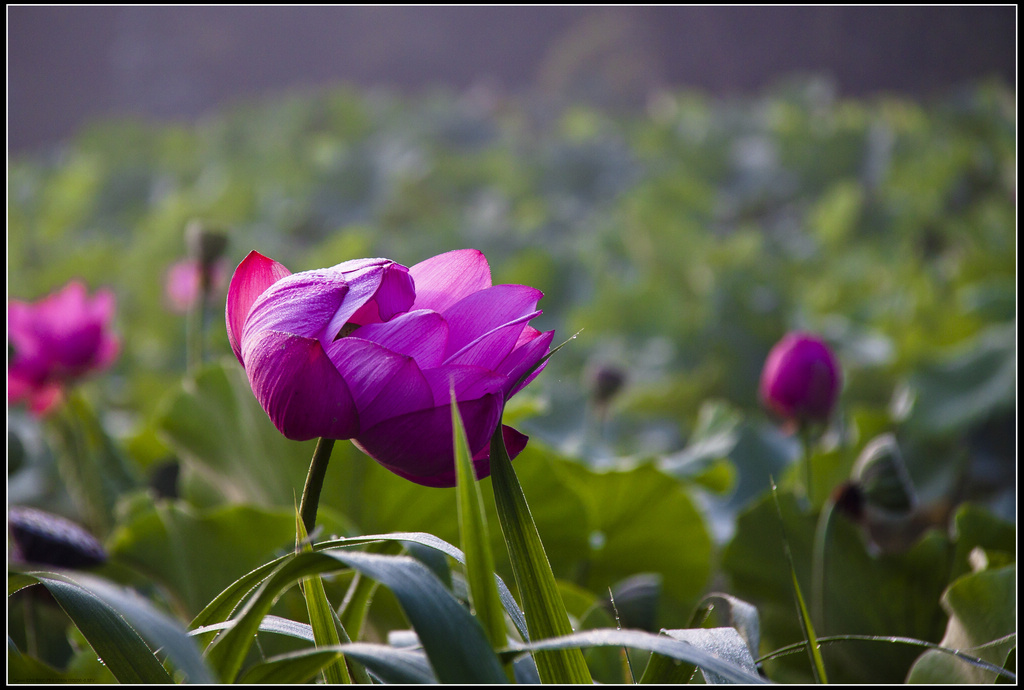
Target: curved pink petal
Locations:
point(302, 303)
point(252, 277)
point(419, 446)
point(443, 280)
point(492, 347)
point(522, 358)
point(383, 383)
point(103, 306)
point(378, 290)
point(108, 350)
point(19, 325)
point(299, 388)
point(486, 310)
point(42, 400)
point(20, 384)
point(420, 334)
point(515, 442)
point(75, 351)
point(468, 382)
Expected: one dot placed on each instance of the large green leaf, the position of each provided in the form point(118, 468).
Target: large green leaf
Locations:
point(639, 520)
point(973, 383)
point(220, 432)
point(93, 468)
point(197, 553)
point(982, 610)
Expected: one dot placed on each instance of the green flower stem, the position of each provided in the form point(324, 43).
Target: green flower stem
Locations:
point(821, 534)
point(545, 611)
point(806, 447)
point(315, 482)
point(195, 327)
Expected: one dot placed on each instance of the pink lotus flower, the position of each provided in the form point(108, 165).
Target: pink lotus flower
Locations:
point(56, 341)
point(369, 350)
point(801, 378)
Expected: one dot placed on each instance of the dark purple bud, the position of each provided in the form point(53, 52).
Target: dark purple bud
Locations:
point(606, 382)
point(48, 539)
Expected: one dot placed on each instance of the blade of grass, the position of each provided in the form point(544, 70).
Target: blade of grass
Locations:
point(545, 611)
point(833, 639)
point(116, 643)
point(225, 603)
point(483, 593)
point(680, 650)
point(454, 642)
point(813, 650)
point(296, 667)
point(321, 615)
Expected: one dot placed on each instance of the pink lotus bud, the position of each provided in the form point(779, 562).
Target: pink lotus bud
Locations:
point(801, 379)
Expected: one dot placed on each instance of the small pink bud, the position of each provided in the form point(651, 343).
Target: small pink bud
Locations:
point(801, 379)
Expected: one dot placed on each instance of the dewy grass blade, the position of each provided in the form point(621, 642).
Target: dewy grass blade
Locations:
point(545, 612)
point(483, 593)
point(452, 638)
point(510, 604)
point(227, 652)
point(116, 643)
point(813, 649)
point(220, 609)
point(730, 669)
point(833, 639)
point(297, 667)
point(454, 642)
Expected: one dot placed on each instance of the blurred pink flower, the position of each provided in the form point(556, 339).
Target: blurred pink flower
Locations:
point(801, 378)
point(57, 340)
point(183, 284)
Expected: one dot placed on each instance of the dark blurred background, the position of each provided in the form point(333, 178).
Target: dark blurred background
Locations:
point(68, 65)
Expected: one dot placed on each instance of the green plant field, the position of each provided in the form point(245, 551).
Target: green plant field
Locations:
point(679, 243)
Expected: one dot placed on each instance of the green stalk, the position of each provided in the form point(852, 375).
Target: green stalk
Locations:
point(314, 483)
point(545, 611)
point(819, 553)
point(806, 447)
point(321, 615)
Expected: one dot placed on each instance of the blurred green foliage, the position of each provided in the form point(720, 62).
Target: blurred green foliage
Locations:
point(681, 242)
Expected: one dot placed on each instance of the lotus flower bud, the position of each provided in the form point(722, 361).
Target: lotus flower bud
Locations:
point(205, 245)
point(801, 379)
point(605, 383)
